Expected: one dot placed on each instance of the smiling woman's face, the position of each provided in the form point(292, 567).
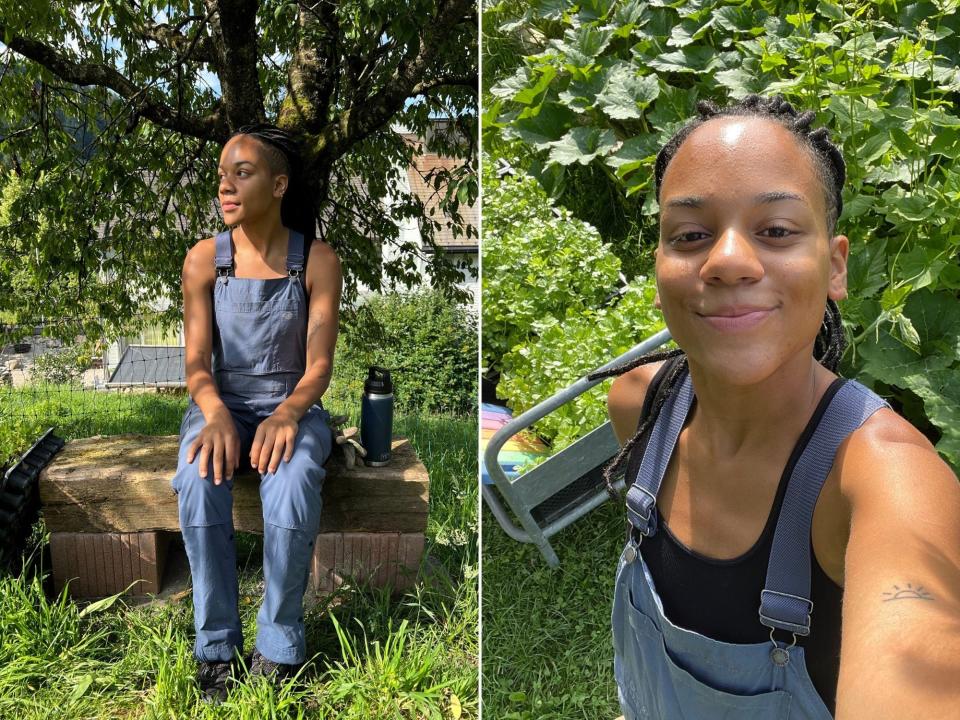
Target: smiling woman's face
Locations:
point(745, 264)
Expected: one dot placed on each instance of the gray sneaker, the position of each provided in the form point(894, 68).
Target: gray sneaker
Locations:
point(278, 672)
point(214, 678)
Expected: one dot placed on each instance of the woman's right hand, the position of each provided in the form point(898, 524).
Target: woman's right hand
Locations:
point(219, 440)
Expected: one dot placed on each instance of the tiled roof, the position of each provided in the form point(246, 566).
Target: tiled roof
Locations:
point(153, 365)
point(422, 174)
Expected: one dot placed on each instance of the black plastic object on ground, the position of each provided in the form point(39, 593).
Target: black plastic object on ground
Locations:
point(20, 497)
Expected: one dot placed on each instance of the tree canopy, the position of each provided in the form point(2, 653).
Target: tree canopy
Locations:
point(108, 120)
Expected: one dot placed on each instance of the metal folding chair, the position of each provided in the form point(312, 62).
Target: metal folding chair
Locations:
point(566, 486)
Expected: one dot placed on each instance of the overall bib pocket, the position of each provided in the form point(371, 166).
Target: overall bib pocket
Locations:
point(658, 682)
point(653, 685)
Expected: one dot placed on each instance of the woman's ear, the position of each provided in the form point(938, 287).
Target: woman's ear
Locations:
point(839, 252)
point(280, 185)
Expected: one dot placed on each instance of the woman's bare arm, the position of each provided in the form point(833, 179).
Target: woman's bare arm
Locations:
point(324, 282)
point(900, 648)
point(625, 399)
point(218, 439)
point(197, 282)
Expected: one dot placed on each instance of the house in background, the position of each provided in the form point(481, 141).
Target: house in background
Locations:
point(419, 177)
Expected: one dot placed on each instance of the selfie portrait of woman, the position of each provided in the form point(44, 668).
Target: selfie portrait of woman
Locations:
point(720, 320)
point(790, 536)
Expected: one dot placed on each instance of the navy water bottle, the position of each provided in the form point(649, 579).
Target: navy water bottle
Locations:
point(376, 416)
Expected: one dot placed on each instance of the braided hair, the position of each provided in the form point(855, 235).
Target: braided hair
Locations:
point(831, 170)
point(285, 157)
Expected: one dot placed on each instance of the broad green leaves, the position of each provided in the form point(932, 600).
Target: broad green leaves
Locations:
point(626, 94)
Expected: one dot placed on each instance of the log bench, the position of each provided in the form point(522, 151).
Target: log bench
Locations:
point(111, 514)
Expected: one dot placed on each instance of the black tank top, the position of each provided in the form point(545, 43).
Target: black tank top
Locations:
point(721, 598)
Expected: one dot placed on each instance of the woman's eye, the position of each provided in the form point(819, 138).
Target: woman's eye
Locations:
point(777, 231)
point(688, 237)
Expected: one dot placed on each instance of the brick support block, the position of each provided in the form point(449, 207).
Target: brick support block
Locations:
point(103, 564)
point(379, 558)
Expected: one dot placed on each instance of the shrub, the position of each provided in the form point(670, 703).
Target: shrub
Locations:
point(539, 262)
point(567, 349)
point(428, 342)
point(61, 367)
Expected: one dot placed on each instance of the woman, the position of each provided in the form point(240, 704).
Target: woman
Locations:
point(262, 300)
point(771, 502)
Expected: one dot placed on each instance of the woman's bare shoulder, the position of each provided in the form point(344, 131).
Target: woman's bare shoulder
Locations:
point(625, 398)
point(886, 456)
point(198, 265)
point(321, 254)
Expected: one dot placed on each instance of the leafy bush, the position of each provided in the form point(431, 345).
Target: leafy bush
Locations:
point(606, 83)
point(61, 367)
point(565, 350)
point(538, 263)
point(428, 342)
point(17, 432)
point(551, 306)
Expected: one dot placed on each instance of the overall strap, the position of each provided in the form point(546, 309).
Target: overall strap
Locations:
point(785, 600)
point(224, 259)
point(642, 495)
point(295, 254)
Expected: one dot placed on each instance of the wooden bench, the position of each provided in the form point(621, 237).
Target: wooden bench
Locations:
point(111, 514)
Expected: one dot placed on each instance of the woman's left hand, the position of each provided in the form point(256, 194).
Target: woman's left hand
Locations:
point(274, 440)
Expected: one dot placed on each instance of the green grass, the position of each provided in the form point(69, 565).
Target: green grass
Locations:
point(372, 656)
point(547, 647)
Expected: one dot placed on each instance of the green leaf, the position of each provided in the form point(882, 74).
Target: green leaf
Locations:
point(894, 297)
point(582, 94)
point(831, 10)
point(867, 269)
point(940, 392)
point(83, 684)
point(516, 83)
point(799, 19)
point(857, 206)
point(919, 267)
point(583, 45)
point(873, 147)
point(946, 143)
point(688, 60)
point(634, 153)
point(736, 19)
point(581, 145)
point(740, 81)
point(530, 93)
point(904, 143)
point(937, 320)
point(626, 93)
point(106, 603)
point(548, 125)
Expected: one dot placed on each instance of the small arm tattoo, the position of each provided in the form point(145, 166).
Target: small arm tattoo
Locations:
point(908, 593)
point(317, 321)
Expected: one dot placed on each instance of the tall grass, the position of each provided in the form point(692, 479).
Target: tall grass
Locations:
point(371, 656)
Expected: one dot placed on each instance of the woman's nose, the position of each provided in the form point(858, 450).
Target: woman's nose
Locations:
point(732, 259)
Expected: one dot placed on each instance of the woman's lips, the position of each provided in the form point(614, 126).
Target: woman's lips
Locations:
point(734, 320)
point(228, 207)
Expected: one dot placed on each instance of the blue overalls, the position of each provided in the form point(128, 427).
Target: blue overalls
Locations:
point(259, 356)
point(667, 672)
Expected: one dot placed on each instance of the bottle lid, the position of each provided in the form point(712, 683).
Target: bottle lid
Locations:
point(378, 381)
